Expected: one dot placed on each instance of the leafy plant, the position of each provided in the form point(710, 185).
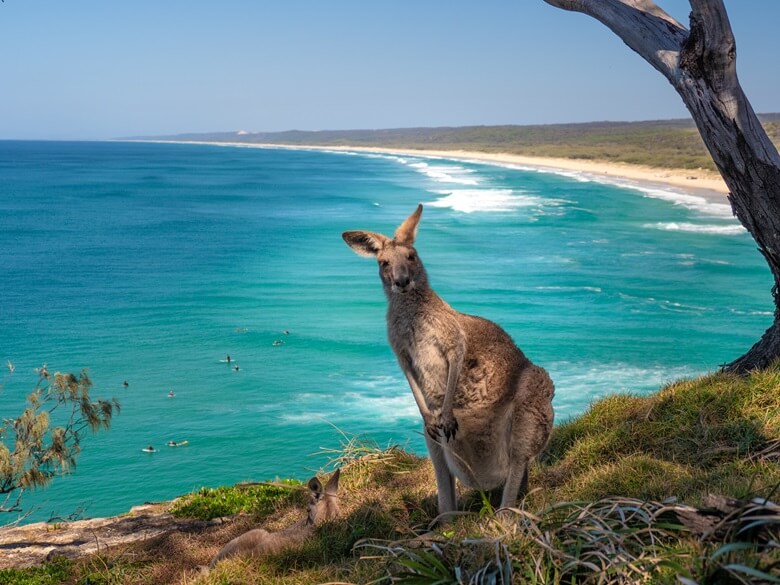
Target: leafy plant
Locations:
point(472, 561)
point(32, 451)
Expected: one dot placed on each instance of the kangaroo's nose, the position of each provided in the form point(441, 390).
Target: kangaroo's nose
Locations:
point(402, 281)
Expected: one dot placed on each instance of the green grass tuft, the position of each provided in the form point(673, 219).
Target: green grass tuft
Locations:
point(689, 439)
point(56, 571)
point(259, 500)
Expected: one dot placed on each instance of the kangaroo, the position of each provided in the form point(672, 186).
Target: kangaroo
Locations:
point(486, 408)
point(323, 506)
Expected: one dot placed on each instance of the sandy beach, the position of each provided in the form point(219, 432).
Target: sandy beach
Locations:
point(690, 180)
point(699, 182)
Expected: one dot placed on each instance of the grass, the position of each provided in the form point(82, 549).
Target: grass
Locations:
point(57, 571)
point(689, 439)
point(259, 500)
point(609, 503)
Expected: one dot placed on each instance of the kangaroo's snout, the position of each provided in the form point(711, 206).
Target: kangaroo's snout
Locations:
point(401, 274)
point(402, 283)
point(402, 280)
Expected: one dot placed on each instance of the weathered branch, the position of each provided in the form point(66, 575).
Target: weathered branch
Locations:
point(714, 21)
point(641, 24)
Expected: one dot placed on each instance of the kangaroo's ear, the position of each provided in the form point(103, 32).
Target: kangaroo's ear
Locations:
point(407, 231)
point(333, 483)
point(315, 486)
point(365, 243)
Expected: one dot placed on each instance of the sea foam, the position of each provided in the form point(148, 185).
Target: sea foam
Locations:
point(384, 399)
point(696, 203)
point(446, 173)
point(486, 200)
point(722, 229)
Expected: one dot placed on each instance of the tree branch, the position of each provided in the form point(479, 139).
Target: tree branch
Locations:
point(641, 24)
point(716, 20)
point(710, 52)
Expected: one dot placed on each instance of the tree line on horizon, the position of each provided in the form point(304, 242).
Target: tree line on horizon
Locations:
point(658, 143)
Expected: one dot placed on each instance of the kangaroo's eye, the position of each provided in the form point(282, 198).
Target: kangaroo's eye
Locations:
point(412, 256)
point(384, 263)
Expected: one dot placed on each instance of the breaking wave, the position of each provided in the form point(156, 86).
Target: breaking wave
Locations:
point(489, 200)
point(726, 230)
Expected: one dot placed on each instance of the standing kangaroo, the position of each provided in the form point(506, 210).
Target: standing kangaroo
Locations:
point(486, 408)
point(323, 506)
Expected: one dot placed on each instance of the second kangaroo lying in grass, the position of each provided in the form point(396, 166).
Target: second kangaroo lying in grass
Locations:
point(486, 408)
point(323, 505)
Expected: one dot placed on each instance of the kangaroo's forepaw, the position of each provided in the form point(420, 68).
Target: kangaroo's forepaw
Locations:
point(440, 426)
point(448, 427)
point(433, 430)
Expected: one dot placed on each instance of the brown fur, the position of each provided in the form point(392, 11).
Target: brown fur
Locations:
point(323, 506)
point(486, 408)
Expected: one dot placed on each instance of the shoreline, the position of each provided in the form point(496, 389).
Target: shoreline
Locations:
point(697, 182)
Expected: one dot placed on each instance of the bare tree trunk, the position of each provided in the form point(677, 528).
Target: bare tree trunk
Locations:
point(701, 65)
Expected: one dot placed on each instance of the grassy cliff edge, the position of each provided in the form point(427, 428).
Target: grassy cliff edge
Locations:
point(616, 498)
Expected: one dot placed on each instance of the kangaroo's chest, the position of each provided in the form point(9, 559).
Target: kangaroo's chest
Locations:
point(421, 348)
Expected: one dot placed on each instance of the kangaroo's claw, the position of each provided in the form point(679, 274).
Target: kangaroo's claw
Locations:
point(449, 428)
point(440, 426)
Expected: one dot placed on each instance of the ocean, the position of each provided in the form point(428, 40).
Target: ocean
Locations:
point(151, 263)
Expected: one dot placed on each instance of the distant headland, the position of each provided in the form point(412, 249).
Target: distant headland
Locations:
point(655, 143)
point(656, 151)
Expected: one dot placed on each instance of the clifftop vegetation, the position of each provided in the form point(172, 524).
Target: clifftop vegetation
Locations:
point(658, 143)
point(617, 498)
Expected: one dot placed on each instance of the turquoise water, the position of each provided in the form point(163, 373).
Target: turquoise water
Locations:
point(151, 262)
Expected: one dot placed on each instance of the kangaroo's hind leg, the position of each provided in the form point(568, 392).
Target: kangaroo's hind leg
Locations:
point(244, 544)
point(445, 480)
point(516, 485)
point(532, 423)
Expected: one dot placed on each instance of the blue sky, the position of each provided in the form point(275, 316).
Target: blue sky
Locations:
point(94, 69)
